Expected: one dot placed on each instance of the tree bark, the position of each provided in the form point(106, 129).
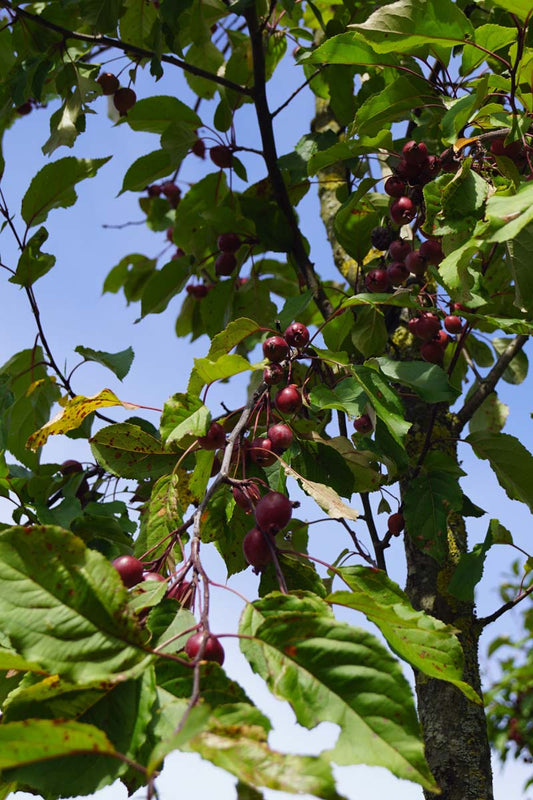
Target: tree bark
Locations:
point(454, 728)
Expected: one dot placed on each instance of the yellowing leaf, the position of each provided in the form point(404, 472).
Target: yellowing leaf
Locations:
point(326, 497)
point(73, 414)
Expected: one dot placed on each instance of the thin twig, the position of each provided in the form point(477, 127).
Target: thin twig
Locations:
point(484, 621)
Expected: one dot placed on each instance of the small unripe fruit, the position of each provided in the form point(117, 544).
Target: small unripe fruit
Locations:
point(130, 570)
point(453, 324)
point(273, 512)
point(225, 264)
point(262, 452)
point(255, 548)
point(124, 99)
point(221, 156)
point(363, 424)
point(228, 242)
point(213, 650)
point(109, 83)
point(377, 280)
point(280, 436)
point(273, 374)
point(288, 400)
point(402, 211)
point(297, 335)
point(396, 523)
point(214, 438)
point(394, 186)
point(276, 349)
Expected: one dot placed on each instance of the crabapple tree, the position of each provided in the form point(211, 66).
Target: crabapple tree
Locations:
point(368, 378)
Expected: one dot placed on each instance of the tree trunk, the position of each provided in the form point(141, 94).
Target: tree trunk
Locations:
point(454, 728)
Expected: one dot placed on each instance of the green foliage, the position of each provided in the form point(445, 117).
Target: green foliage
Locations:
point(95, 680)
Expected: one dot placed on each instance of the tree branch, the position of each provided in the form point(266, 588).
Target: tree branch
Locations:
point(488, 384)
point(140, 52)
point(297, 248)
point(484, 621)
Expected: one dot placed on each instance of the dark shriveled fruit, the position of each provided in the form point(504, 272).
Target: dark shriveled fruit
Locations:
point(273, 374)
point(130, 570)
point(273, 512)
point(213, 650)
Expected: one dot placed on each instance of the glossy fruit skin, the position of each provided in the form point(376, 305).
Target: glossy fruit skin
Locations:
point(442, 338)
point(262, 452)
point(153, 576)
point(394, 186)
point(280, 436)
point(109, 83)
point(198, 148)
point(214, 438)
point(225, 264)
point(397, 273)
point(255, 548)
point(182, 591)
point(453, 324)
point(402, 211)
point(221, 156)
point(213, 650)
point(396, 523)
point(416, 263)
point(363, 424)
point(431, 250)
point(377, 280)
point(70, 467)
point(228, 242)
point(432, 351)
point(124, 99)
point(198, 291)
point(297, 335)
point(288, 400)
point(273, 512)
point(273, 374)
point(130, 570)
point(276, 349)
point(415, 152)
point(246, 496)
point(399, 249)
point(425, 326)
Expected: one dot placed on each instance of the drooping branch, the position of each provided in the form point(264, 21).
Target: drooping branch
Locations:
point(130, 49)
point(264, 118)
point(489, 383)
point(484, 621)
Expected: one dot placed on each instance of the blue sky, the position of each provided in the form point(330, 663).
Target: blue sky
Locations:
point(74, 312)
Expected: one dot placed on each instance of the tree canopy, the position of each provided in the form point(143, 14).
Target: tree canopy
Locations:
point(358, 383)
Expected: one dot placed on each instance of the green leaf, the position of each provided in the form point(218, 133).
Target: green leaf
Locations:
point(409, 24)
point(347, 396)
point(118, 363)
point(330, 671)
point(43, 739)
point(428, 499)
point(136, 22)
point(429, 381)
point(163, 513)
point(155, 114)
point(224, 367)
point(522, 8)
point(184, 417)
point(384, 400)
point(69, 615)
point(510, 460)
point(33, 264)
point(392, 104)
point(469, 570)
point(53, 186)
point(126, 450)
point(425, 642)
point(231, 336)
point(354, 222)
point(346, 48)
point(326, 497)
point(519, 250)
point(147, 169)
point(491, 38)
point(369, 333)
point(516, 372)
point(490, 416)
point(509, 214)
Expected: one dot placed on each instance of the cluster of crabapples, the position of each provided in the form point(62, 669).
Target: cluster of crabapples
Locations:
point(124, 98)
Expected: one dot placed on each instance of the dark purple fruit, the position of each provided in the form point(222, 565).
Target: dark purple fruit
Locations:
point(213, 650)
point(382, 236)
point(221, 156)
point(363, 424)
point(273, 512)
point(130, 570)
point(214, 438)
point(377, 280)
point(280, 436)
point(273, 374)
point(255, 548)
point(402, 211)
point(124, 99)
point(288, 400)
point(396, 523)
point(297, 335)
point(225, 264)
point(262, 452)
point(109, 83)
point(228, 242)
point(276, 349)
